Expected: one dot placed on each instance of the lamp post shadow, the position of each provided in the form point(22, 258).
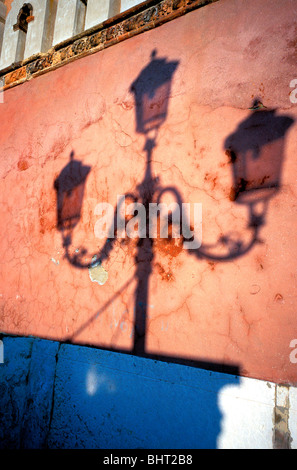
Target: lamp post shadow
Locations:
point(256, 153)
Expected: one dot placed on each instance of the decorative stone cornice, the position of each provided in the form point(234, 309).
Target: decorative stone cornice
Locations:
point(143, 17)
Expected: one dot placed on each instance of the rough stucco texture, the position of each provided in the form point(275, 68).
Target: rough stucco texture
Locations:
point(8, 4)
point(233, 301)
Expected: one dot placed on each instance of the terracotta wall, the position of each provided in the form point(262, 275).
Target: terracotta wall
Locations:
point(232, 302)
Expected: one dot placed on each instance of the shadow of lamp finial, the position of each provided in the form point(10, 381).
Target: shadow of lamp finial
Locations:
point(152, 92)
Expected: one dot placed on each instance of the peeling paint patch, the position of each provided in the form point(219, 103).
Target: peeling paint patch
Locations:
point(55, 261)
point(98, 274)
point(282, 436)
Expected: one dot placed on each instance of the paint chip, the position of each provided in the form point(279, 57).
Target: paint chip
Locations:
point(98, 274)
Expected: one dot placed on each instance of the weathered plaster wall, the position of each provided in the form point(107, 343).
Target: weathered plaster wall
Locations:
point(239, 312)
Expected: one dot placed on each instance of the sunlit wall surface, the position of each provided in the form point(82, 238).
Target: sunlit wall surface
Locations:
point(212, 124)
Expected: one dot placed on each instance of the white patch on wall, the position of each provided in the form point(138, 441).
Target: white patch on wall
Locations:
point(248, 415)
point(293, 416)
point(97, 273)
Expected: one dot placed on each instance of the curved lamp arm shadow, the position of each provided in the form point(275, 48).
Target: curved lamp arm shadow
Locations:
point(103, 254)
point(237, 248)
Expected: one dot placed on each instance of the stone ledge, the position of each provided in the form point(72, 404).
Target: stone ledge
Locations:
point(143, 17)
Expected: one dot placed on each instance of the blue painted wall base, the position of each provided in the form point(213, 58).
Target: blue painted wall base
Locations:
point(64, 396)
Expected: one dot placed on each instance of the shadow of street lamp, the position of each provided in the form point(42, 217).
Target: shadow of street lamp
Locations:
point(151, 91)
point(255, 150)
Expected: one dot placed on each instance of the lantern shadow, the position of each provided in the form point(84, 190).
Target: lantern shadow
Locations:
point(256, 152)
point(151, 91)
point(70, 187)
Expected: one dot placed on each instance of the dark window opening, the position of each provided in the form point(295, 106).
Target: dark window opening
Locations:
point(24, 17)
